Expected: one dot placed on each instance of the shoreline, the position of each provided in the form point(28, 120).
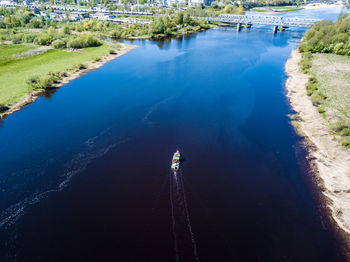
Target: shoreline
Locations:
point(322, 6)
point(31, 97)
point(330, 162)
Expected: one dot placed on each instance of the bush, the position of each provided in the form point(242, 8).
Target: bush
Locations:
point(65, 30)
point(81, 66)
point(16, 40)
point(82, 41)
point(321, 110)
point(30, 38)
point(59, 44)
point(3, 108)
point(339, 126)
point(346, 141)
point(305, 62)
point(345, 132)
point(112, 52)
point(47, 81)
point(44, 39)
point(316, 99)
point(311, 86)
point(33, 81)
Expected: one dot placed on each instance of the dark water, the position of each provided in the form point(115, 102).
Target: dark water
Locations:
point(84, 174)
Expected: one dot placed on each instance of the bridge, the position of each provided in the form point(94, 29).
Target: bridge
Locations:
point(276, 21)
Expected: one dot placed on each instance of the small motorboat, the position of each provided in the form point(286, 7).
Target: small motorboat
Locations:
point(175, 163)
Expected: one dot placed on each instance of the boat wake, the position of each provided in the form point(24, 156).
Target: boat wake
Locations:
point(185, 245)
point(153, 108)
point(77, 164)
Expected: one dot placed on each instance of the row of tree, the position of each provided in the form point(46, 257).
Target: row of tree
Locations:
point(328, 37)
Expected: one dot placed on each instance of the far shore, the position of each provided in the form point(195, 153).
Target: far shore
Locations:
point(329, 160)
point(322, 6)
point(29, 98)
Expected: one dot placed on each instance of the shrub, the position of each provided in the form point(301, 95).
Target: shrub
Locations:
point(112, 52)
point(339, 126)
point(311, 86)
point(30, 38)
point(33, 81)
point(305, 62)
point(47, 81)
point(316, 99)
point(321, 110)
point(345, 132)
point(16, 40)
point(81, 66)
point(346, 141)
point(58, 44)
point(44, 39)
point(82, 41)
point(65, 30)
point(3, 108)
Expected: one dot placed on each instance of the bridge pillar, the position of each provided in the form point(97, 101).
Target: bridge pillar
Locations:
point(248, 25)
point(239, 27)
point(275, 28)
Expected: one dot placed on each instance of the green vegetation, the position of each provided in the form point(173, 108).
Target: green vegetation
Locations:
point(331, 92)
point(280, 9)
point(181, 23)
point(42, 70)
point(325, 52)
point(328, 37)
point(11, 52)
point(306, 62)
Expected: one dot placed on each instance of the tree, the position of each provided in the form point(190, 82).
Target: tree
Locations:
point(229, 9)
point(179, 18)
point(240, 10)
point(187, 19)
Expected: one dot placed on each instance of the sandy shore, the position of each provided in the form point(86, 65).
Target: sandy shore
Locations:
point(322, 6)
point(330, 161)
point(29, 98)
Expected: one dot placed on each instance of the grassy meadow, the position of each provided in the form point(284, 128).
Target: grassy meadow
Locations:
point(14, 74)
point(333, 75)
point(282, 9)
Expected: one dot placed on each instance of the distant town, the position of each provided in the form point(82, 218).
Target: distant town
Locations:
point(119, 11)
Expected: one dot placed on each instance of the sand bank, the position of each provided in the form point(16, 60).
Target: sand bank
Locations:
point(322, 6)
point(330, 161)
point(29, 98)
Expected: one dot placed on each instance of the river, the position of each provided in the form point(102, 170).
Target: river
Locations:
point(85, 172)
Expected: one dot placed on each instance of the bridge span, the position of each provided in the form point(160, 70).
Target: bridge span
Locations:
point(276, 21)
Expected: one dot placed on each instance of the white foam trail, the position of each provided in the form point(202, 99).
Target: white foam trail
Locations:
point(173, 220)
point(152, 109)
point(195, 250)
point(77, 164)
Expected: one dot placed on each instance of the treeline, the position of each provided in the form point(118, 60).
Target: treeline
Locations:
point(328, 37)
point(23, 26)
point(181, 22)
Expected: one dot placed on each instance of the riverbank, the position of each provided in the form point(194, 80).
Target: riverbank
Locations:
point(273, 10)
point(330, 160)
point(322, 6)
point(88, 66)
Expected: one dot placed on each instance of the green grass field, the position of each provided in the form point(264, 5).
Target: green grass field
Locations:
point(8, 52)
point(333, 75)
point(13, 74)
point(282, 9)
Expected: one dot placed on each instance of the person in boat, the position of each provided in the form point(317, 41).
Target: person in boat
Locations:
point(176, 160)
